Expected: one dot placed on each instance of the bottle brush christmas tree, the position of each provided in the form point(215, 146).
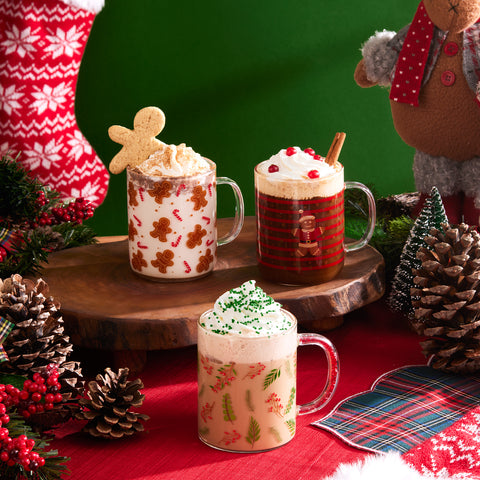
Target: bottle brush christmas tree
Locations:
point(432, 215)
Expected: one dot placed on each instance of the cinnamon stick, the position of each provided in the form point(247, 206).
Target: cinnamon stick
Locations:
point(335, 148)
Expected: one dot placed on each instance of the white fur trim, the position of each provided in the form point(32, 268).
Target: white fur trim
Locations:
point(93, 6)
point(379, 467)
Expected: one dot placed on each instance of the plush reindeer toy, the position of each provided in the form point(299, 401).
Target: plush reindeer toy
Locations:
point(432, 67)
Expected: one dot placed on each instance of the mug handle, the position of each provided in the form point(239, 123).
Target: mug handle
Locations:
point(332, 375)
point(372, 217)
point(239, 211)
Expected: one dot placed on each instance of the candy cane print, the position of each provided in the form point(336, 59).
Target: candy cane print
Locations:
point(210, 189)
point(139, 222)
point(140, 192)
point(207, 219)
point(176, 242)
point(180, 188)
point(176, 215)
point(139, 245)
point(188, 269)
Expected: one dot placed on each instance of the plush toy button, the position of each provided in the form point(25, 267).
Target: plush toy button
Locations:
point(139, 143)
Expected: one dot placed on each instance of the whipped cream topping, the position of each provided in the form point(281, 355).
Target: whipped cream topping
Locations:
point(247, 311)
point(293, 163)
point(174, 161)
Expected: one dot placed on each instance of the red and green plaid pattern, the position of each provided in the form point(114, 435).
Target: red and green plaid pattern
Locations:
point(5, 329)
point(404, 408)
point(8, 239)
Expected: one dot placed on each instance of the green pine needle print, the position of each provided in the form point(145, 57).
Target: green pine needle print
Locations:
point(248, 400)
point(291, 401)
point(228, 414)
point(291, 426)
point(275, 434)
point(271, 377)
point(253, 432)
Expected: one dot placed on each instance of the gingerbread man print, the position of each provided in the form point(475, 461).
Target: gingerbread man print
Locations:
point(308, 235)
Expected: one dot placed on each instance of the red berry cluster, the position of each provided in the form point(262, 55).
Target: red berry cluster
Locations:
point(18, 450)
point(311, 152)
point(38, 395)
point(44, 386)
point(74, 211)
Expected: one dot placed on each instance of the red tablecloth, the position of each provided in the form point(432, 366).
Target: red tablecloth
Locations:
point(371, 342)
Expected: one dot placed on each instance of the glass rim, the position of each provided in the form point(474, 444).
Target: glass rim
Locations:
point(248, 338)
point(136, 173)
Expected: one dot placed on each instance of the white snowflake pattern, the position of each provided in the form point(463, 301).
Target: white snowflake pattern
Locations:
point(89, 192)
point(64, 43)
point(20, 41)
point(79, 145)
point(42, 155)
point(5, 149)
point(50, 98)
point(9, 99)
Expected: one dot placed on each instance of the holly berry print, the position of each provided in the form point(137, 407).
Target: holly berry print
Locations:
point(174, 224)
point(246, 407)
point(41, 48)
point(225, 376)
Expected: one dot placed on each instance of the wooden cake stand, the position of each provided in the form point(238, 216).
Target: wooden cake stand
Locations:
point(106, 306)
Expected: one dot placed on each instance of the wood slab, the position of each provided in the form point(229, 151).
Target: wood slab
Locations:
point(106, 306)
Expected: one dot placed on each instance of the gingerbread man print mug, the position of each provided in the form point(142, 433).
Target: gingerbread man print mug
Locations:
point(172, 232)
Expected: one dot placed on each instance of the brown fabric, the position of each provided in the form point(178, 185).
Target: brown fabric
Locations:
point(447, 120)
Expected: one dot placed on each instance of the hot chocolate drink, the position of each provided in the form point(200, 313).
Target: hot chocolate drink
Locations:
point(300, 217)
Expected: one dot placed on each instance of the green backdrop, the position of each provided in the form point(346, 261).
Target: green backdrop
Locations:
point(238, 81)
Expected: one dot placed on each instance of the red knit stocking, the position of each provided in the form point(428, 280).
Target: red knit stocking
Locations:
point(41, 47)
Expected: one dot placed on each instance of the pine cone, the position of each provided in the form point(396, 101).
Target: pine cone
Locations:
point(38, 337)
point(447, 300)
point(107, 407)
point(37, 340)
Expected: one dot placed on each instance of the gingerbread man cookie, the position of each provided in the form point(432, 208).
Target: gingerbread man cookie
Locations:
point(139, 143)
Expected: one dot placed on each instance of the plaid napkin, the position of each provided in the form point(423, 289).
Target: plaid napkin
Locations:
point(5, 329)
point(404, 408)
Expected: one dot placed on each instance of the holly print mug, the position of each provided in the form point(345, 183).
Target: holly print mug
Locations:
point(172, 226)
point(247, 387)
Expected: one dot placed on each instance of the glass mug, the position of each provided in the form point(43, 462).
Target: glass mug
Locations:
point(172, 225)
point(301, 227)
point(247, 387)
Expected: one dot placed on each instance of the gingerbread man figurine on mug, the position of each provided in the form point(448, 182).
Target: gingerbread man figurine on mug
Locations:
point(432, 69)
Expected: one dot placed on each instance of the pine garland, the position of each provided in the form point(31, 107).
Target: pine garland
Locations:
point(34, 221)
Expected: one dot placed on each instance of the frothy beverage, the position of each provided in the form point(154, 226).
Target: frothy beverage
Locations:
point(300, 217)
point(247, 372)
point(172, 214)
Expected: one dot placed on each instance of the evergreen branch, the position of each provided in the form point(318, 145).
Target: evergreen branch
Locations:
point(271, 377)
point(253, 432)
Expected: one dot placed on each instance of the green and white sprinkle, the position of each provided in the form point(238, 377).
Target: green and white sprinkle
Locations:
point(247, 311)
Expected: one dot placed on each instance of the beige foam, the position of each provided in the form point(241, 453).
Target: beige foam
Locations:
point(300, 189)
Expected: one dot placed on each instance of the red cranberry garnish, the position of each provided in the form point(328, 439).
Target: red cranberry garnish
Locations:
point(310, 151)
point(291, 151)
point(273, 168)
point(313, 174)
point(317, 157)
